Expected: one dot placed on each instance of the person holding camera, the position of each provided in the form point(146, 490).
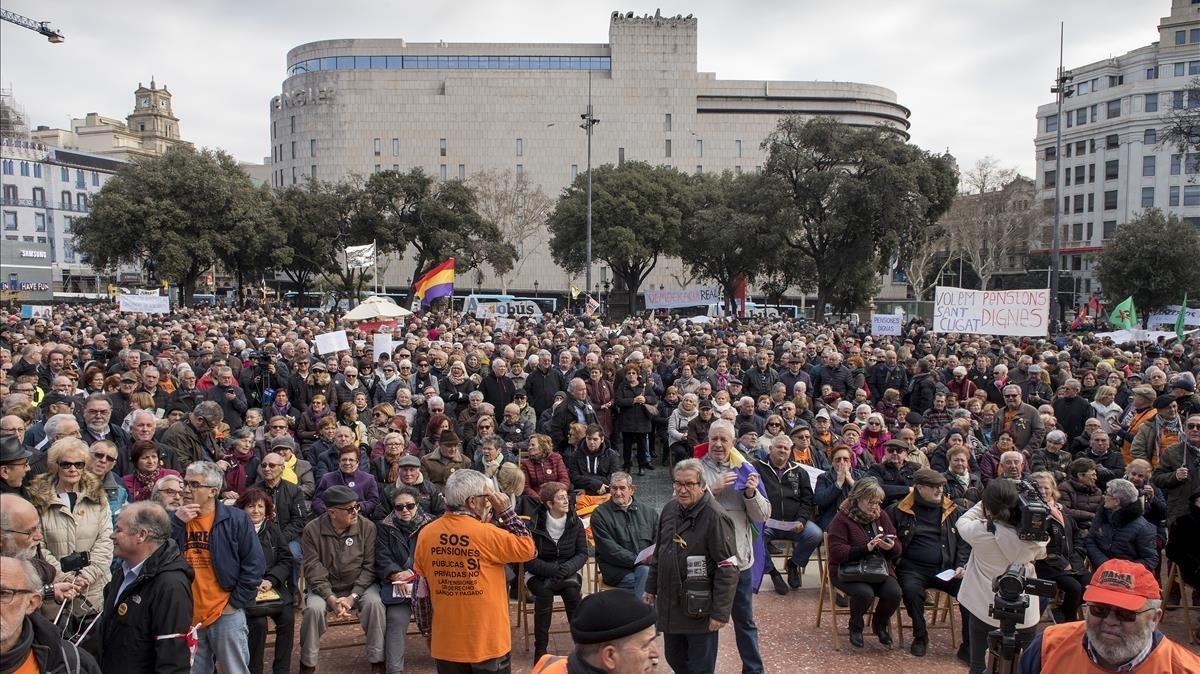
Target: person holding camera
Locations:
point(862, 550)
point(261, 382)
point(990, 528)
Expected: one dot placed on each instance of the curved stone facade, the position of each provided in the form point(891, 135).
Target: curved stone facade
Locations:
point(358, 106)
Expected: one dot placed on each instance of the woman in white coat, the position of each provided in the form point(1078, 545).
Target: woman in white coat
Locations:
point(989, 528)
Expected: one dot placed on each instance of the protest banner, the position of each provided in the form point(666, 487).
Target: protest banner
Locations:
point(1018, 313)
point(515, 309)
point(886, 324)
point(1168, 315)
point(145, 304)
point(332, 342)
point(688, 297)
point(35, 311)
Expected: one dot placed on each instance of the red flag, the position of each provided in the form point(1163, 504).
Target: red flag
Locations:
point(1094, 305)
point(1083, 313)
point(739, 295)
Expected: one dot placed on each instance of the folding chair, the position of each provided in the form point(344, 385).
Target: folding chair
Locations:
point(1174, 578)
point(942, 606)
point(828, 591)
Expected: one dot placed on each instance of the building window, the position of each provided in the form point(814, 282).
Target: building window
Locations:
point(293, 175)
point(699, 147)
point(312, 172)
point(377, 146)
point(520, 170)
point(737, 147)
point(1177, 100)
point(1081, 116)
point(1051, 153)
point(737, 170)
point(79, 179)
point(1176, 164)
point(442, 171)
point(1194, 34)
point(8, 167)
point(668, 148)
point(1077, 231)
point(1081, 148)
point(1090, 232)
point(1180, 37)
point(37, 171)
point(574, 171)
point(273, 129)
point(95, 178)
point(462, 171)
point(378, 168)
point(442, 146)
point(1191, 195)
point(520, 147)
point(1193, 67)
point(1173, 196)
point(395, 147)
point(1114, 109)
point(1110, 200)
point(39, 196)
point(66, 200)
point(312, 147)
point(1152, 73)
point(1191, 163)
point(699, 169)
point(1084, 88)
point(11, 195)
point(1112, 141)
point(1078, 204)
point(1147, 197)
point(1115, 80)
point(1079, 174)
point(1148, 165)
point(1091, 202)
point(64, 174)
point(1050, 177)
point(1051, 123)
point(293, 123)
point(25, 169)
point(81, 201)
point(1150, 137)
point(1151, 102)
point(1095, 108)
point(10, 221)
point(68, 252)
point(620, 155)
point(293, 146)
point(39, 222)
point(1180, 68)
point(667, 122)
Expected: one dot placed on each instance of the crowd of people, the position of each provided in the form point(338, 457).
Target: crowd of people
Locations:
point(176, 487)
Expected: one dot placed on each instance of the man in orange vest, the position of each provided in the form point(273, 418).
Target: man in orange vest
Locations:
point(614, 633)
point(1119, 633)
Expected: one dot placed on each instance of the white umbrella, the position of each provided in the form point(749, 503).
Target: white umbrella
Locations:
point(374, 308)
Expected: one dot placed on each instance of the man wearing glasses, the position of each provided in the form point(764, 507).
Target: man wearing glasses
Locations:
point(221, 546)
point(339, 566)
point(29, 642)
point(1119, 634)
point(1178, 472)
point(1019, 419)
point(14, 465)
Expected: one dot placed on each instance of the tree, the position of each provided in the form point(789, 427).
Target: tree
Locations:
point(849, 199)
point(318, 220)
point(438, 219)
point(172, 212)
point(637, 215)
point(254, 243)
point(518, 207)
point(726, 237)
point(1153, 258)
point(928, 255)
point(995, 219)
point(1182, 122)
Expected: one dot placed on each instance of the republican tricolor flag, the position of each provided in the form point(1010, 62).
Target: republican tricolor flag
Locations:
point(437, 282)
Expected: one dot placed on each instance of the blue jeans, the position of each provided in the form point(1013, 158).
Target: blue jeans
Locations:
point(635, 581)
point(806, 541)
point(691, 653)
point(745, 630)
point(224, 643)
point(297, 556)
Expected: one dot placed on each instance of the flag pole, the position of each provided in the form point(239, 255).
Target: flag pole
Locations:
point(375, 251)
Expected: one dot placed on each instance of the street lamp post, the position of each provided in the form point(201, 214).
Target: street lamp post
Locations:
point(589, 121)
point(1062, 91)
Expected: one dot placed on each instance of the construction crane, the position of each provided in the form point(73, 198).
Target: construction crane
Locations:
point(43, 27)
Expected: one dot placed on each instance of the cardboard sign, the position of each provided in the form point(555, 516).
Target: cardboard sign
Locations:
point(886, 324)
point(381, 343)
point(332, 342)
point(1019, 313)
point(145, 304)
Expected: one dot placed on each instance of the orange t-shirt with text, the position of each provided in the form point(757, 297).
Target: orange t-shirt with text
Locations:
point(208, 598)
point(462, 560)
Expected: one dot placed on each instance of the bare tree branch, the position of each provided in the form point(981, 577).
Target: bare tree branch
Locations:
point(518, 207)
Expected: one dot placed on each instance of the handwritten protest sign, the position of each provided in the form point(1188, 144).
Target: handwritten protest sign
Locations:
point(332, 342)
point(1020, 313)
point(145, 304)
point(886, 324)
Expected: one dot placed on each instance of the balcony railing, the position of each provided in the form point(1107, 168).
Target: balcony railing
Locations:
point(41, 203)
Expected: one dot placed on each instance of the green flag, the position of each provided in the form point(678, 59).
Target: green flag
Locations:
point(1124, 315)
point(1180, 318)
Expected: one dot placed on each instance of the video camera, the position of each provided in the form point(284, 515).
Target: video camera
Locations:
point(1012, 590)
point(74, 561)
point(1034, 520)
point(261, 358)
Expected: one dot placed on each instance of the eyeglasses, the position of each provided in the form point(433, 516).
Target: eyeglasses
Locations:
point(279, 428)
point(192, 484)
point(106, 458)
point(1193, 427)
point(349, 509)
point(685, 485)
point(36, 528)
point(8, 594)
point(1101, 611)
point(77, 465)
point(773, 424)
point(406, 506)
point(170, 492)
point(264, 464)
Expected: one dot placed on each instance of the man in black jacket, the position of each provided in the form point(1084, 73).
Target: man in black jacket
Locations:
point(543, 383)
point(926, 528)
point(622, 528)
point(149, 596)
point(575, 409)
point(591, 465)
point(895, 472)
point(887, 373)
point(790, 492)
point(291, 511)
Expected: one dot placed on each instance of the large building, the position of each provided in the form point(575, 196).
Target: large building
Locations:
point(148, 131)
point(1114, 165)
point(455, 109)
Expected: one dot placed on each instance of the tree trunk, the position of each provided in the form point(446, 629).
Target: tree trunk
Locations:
point(241, 291)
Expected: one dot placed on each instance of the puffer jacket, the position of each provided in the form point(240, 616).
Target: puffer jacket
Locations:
point(88, 529)
point(1122, 534)
point(557, 559)
point(827, 496)
point(1080, 501)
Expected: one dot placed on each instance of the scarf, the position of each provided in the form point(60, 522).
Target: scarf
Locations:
point(964, 479)
point(235, 475)
point(289, 470)
point(15, 657)
point(1056, 513)
point(411, 526)
point(393, 470)
point(278, 410)
point(490, 468)
point(456, 380)
point(852, 511)
point(143, 484)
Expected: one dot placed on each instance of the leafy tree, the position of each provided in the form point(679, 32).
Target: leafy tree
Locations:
point(318, 220)
point(637, 216)
point(727, 236)
point(518, 207)
point(1152, 257)
point(438, 219)
point(172, 212)
point(851, 199)
point(254, 243)
point(1182, 124)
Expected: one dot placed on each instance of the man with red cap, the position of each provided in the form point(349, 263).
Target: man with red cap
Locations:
point(1120, 631)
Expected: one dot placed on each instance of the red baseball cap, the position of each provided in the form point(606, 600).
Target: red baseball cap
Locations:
point(1123, 584)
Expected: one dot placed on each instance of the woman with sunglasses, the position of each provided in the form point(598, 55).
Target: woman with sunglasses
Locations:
point(394, 547)
point(75, 518)
point(260, 508)
point(102, 458)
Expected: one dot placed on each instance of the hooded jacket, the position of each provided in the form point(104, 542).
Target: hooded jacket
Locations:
point(1122, 534)
point(158, 602)
point(589, 471)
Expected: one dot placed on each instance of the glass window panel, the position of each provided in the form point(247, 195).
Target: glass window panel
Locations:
point(378, 62)
point(328, 63)
point(394, 62)
point(345, 62)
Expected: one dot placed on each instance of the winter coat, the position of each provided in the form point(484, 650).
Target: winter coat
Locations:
point(954, 551)
point(922, 389)
point(361, 482)
point(1064, 550)
point(744, 510)
point(620, 534)
point(549, 468)
point(234, 410)
point(756, 382)
point(789, 491)
point(590, 472)
point(237, 556)
point(895, 481)
point(307, 425)
point(828, 496)
point(88, 528)
point(278, 560)
point(1182, 546)
point(1179, 494)
point(1028, 431)
point(54, 654)
point(518, 434)
point(840, 380)
point(633, 417)
point(498, 391)
point(1152, 439)
point(697, 430)
point(394, 548)
point(848, 541)
point(1109, 466)
point(993, 549)
point(1054, 463)
point(1080, 501)
point(706, 531)
point(338, 564)
point(564, 415)
point(185, 444)
point(541, 386)
point(965, 495)
point(561, 559)
point(384, 390)
point(437, 469)
point(1122, 534)
point(455, 396)
point(291, 510)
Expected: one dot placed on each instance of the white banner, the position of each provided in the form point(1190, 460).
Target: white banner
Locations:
point(515, 309)
point(688, 297)
point(1167, 317)
point(886, 324)
point(1021, 313)
point(381, 343)
point(332, 342)
point(358, 257)
point(145, 304)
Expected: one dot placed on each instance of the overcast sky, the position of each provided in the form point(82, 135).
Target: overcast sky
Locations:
point(972, 72)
